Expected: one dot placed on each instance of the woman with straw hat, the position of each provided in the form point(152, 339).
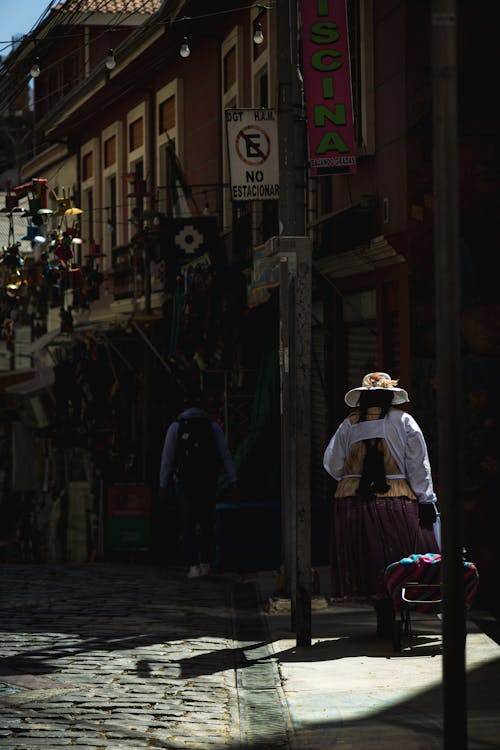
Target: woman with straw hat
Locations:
point(384, 506)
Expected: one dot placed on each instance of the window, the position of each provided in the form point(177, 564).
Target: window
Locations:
point(169, 122)
point(164, 197)
point(166, 115)
point(87, 166)
point(138, 170)
point(229, 69)
point(113, 216)
point(88, 198)
point(136, 134)
point(136, 201)
point(261, 88)
point(138, 148)
point(110, 151)
point(111, 208)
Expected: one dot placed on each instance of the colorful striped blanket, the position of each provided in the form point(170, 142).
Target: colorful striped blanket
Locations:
point(416, 581)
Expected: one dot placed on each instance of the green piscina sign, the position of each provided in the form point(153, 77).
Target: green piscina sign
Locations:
point(327, 82)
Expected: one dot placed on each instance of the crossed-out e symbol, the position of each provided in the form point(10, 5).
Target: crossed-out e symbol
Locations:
point(253, 145)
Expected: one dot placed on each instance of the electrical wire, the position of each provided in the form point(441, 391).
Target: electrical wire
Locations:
point(119, 21)
point(19, 39)
point(182, 19)
point(68, 17)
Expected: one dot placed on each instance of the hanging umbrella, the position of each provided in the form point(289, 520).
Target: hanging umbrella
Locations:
point(45, 211)
point(73, 211)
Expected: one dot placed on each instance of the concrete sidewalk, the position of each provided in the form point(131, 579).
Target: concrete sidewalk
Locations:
point(350, 689)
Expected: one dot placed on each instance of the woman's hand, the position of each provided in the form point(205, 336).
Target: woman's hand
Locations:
point(426, 515)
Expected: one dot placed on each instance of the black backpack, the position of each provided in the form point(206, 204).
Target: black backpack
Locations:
point(197, 459)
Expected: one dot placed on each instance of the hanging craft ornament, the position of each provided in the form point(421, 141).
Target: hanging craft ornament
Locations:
point(31, 233)
point(12, 256)
point(62, 203)
point(11, 202)
point(73, 211)
point(62, 249)
point(44, 214)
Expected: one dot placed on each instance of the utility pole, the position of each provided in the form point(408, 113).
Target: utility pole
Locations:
point(295, 327)
point(291, 124)
point(449, 393)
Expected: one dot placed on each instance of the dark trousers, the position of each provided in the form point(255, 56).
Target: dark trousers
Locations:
point(196, 506)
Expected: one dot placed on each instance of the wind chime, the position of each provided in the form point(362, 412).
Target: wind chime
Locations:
point(52, 263)
point(11, 261)
point(65, 272)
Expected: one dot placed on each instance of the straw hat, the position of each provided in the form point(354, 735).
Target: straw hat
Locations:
point(377, 381)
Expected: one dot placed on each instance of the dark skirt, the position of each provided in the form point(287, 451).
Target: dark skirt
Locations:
point(367, 535)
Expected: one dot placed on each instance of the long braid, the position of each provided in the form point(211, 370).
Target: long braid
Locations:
point(373, 475)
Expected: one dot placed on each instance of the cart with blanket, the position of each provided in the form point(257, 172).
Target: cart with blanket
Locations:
point(414, 583)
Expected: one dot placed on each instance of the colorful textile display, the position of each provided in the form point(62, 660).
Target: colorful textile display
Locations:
point(418, 579)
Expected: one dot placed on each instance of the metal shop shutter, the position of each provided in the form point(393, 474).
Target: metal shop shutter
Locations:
point(361, 335)
point(361, 351)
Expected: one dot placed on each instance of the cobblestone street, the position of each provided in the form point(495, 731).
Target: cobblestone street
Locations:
point(133, 657)
point(112, 656)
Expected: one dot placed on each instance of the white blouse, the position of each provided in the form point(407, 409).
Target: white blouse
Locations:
point(405, 441)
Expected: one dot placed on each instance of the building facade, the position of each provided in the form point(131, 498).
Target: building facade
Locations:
point(142, 144)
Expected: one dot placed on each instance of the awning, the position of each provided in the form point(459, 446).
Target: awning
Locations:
point(371, 256)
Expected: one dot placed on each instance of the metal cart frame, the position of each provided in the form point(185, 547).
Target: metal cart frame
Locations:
point(403, 623)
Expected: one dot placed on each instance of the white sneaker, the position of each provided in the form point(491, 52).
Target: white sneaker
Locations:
point(194, 571)
point(204, 569)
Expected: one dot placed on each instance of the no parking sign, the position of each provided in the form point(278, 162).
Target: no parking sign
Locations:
point(252, 140)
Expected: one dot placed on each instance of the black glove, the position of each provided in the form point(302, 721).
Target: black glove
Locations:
point(426, 515)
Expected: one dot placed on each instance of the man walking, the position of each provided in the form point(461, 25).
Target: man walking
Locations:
point(194, 451)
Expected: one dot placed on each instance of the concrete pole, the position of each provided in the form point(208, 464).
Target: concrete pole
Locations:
point(449, 395)
point(286, 225)
point(302, 407)
point(295, 308)
point(295, 362)
point(287, 430)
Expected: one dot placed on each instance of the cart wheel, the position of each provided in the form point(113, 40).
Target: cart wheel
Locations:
point(396, 634)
